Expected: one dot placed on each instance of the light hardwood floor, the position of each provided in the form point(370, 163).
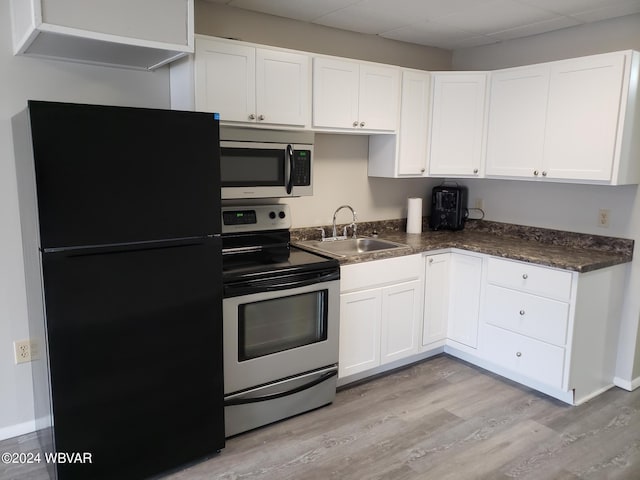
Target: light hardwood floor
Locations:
point(439, 419)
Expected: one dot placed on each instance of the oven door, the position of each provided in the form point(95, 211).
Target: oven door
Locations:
point(287, 327)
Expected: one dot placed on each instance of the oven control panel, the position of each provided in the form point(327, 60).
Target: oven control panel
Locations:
point(255, 218)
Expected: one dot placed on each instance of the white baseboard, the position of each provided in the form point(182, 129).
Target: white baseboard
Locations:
point(17, 429)
point(626, 384)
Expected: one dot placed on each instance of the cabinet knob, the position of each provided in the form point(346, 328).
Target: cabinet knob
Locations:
point(252, 117)
point(475, 170)
point(544, 173)
point(535, 172)
point(525, 276)
point(431, 260)
point(355, 124)
point(361, 124)
point(518, 354)
point(521, 312)
point(422, 170)
point(261, 117)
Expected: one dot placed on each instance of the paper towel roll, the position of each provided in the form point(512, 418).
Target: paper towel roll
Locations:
point(414, 215)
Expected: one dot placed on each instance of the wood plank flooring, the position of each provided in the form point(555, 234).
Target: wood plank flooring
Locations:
point(439, 419)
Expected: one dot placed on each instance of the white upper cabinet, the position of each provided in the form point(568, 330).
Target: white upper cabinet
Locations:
point(517, 115)
point(144, 34)
point(571, 120)
point(252, 85)
point(457, 124)
point(405, 154)
point(582, 120)
point(353, 96)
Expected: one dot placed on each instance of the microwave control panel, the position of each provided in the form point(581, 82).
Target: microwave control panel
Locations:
point(301, 168)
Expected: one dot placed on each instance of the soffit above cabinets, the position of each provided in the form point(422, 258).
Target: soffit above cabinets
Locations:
point(444, 23)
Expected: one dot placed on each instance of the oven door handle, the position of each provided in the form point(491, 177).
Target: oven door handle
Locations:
point(247, 288)
point(239, 400)
point(327, 277)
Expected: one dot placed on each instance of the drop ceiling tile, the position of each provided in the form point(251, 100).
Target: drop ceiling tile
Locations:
point(496, 16)
point(569, 7)
point(361, 19)
point(305, 10)
point(610, 11)
point(429, 33)
point(418, 10)
point(535, 28)
point(476, 41)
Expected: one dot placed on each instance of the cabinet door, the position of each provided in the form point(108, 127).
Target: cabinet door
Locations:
point(360, 318)
point(379, 98)
point(282, 88)
point(225, 80)
point(457, 122)
point(582, 120)
point(517, 113)
point(401, 315)
point(414, 123)
point(436, 298)
point(464, 299)
point(335, 93)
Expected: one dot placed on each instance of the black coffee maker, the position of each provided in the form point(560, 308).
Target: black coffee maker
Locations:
point(448, 208)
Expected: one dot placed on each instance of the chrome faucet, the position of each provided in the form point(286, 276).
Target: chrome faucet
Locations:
point(353, 224)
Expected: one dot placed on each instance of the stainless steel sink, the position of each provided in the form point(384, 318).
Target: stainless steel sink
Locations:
point(352, 246)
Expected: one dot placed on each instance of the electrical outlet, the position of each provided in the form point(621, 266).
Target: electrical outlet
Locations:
point(603, 217)
point(479, 203)
point(25, 351)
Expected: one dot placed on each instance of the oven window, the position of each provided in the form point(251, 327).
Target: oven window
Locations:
point(249, 167)
point(280, 324)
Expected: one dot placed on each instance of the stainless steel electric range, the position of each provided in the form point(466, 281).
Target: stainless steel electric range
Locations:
point(280, 320)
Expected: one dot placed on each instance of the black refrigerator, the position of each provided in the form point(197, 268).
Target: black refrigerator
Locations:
point(128, 215)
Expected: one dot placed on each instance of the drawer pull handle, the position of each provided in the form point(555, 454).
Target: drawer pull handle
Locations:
point(525, 276)
point(518, 354)
point(521, 312)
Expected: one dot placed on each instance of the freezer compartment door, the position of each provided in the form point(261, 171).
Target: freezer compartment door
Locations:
point(108, 175)
point(135, 350)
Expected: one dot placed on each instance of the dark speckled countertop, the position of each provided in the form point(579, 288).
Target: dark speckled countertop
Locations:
point(552, 248)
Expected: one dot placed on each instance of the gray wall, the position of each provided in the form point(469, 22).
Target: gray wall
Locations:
point(569, 207)
point(22, 79)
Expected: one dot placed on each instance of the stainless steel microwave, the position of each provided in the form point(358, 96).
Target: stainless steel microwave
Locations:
point(265, 163)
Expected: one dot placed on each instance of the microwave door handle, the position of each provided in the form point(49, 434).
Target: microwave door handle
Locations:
point(291, 166)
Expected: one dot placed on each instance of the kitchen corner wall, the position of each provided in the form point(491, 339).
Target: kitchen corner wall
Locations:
point(340, 161)
point(22, 79)
point(569, 207)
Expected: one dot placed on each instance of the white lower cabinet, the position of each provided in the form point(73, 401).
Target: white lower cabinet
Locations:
point(436, 300)
point(553, 330)
point(360, 319)
point(464, 299)
point(380, 313)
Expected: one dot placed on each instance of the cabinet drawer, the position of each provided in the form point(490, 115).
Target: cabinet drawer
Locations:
point(530, 278)
point(536, 360)
point(537, 317)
